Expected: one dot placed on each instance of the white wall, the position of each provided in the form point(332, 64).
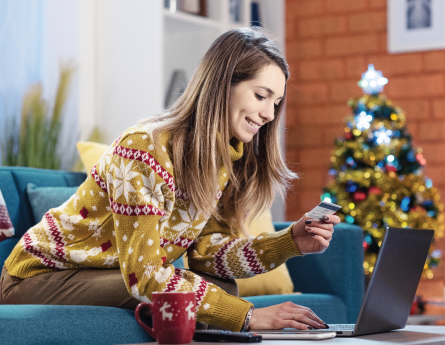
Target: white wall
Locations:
point(128, 63)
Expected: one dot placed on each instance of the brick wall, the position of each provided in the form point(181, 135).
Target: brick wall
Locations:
point(329, 44)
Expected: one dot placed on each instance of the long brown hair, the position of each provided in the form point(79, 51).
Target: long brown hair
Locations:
point(200, 127)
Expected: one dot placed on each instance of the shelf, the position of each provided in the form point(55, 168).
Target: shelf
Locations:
point(190, 19)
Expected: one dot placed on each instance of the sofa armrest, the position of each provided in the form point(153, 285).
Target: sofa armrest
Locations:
point(338, 271)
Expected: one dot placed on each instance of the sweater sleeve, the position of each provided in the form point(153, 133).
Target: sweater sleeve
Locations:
point(139, 195)
point(220, 253)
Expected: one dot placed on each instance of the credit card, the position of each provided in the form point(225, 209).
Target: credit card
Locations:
point(323, 209)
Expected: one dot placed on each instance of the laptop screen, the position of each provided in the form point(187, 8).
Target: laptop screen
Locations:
point(394, 281)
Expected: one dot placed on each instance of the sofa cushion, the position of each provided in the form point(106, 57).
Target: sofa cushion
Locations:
point(14, 182)
point(329, 308)
point(58, 324)
point(44, 198)
point(90, 153)
point(6, 227)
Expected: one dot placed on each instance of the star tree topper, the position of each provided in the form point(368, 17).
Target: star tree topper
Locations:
point(372, 81)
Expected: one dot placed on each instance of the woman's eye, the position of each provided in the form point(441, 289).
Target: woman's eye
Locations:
point(259, 97)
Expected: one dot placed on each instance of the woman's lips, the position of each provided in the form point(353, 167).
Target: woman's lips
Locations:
point(253, 125)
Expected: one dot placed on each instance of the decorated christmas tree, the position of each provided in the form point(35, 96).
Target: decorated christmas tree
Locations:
point(377, 176)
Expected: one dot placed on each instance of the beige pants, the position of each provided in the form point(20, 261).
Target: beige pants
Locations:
point(97, 287)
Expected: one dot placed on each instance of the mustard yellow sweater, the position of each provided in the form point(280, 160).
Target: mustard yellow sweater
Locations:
point(128, 214)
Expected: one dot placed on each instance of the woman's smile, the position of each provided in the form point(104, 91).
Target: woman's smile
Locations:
point(253, 125)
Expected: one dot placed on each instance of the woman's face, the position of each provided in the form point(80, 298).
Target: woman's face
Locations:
point(252, 103)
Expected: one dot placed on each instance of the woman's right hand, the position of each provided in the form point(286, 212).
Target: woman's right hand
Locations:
point(285, 315)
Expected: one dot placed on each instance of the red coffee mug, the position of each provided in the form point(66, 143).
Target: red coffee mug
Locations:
point(173, 315)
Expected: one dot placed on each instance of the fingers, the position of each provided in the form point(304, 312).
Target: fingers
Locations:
point(323, 224)
point(284, 315)
point(296, 309)
point(301, 322)
point(297, 325)
point(324, 243)
point(327, 234)
point(317, 224)
point(302, 318)
point(319, 228)
point(333, 219)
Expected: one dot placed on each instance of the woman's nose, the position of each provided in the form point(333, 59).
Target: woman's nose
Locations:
point(268, 113)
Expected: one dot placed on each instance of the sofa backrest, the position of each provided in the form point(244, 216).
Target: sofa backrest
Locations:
point(13, 185)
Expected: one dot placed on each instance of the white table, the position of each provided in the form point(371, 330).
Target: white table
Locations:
point(409, 335)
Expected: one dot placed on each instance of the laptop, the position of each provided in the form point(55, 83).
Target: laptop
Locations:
point(391, 291)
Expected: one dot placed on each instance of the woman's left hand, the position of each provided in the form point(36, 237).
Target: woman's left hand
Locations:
point(314, 237)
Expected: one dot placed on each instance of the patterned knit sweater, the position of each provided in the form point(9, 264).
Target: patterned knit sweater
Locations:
point(128, 214)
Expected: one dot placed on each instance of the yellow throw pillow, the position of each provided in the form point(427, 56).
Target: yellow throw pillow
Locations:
point(90, 153)
point(274, 282)
point(277, 281)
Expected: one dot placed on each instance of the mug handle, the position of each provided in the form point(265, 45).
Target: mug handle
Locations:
point(141, 306)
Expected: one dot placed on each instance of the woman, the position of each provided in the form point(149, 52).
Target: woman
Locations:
point(155, 194)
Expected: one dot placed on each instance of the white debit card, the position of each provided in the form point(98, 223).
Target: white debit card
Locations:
point(323, 209)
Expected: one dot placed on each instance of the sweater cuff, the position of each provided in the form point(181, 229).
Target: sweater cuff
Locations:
point(230, 312)
point(285, 245)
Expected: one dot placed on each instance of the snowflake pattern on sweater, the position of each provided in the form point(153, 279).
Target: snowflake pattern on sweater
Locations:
point(129, 214)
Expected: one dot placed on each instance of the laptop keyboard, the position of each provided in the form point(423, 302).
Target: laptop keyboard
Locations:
point(341, 327)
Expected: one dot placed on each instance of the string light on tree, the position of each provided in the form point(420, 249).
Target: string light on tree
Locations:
point(376, 174)
point(363, 120)
point(383, 136)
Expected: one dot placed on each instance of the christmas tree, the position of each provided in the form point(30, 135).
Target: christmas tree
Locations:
point(377, 176)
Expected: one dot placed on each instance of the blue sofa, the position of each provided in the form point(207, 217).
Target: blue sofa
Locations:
point(331, 284)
